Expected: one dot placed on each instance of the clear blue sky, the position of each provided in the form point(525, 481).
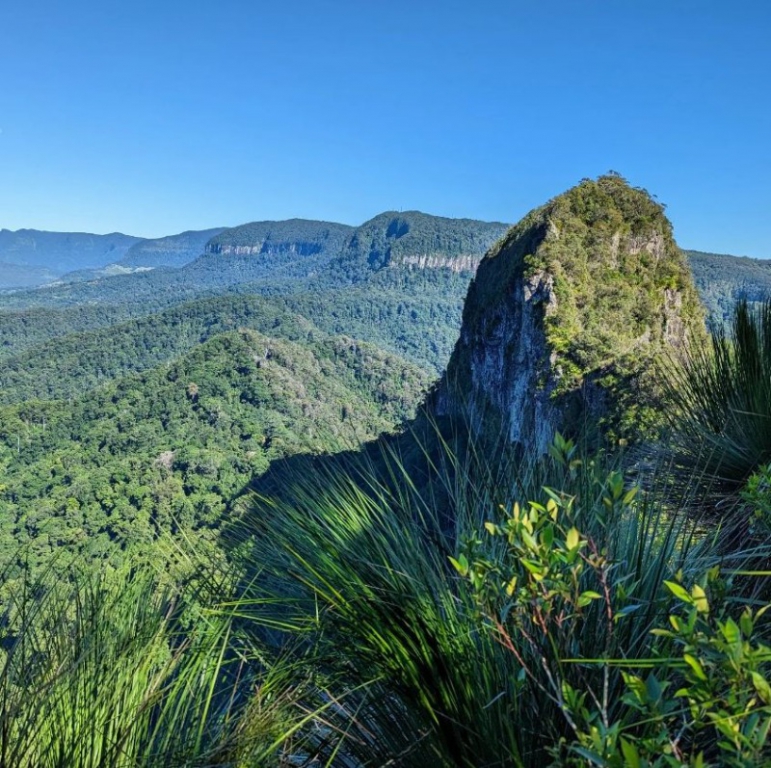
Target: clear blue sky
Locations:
point(154, 116)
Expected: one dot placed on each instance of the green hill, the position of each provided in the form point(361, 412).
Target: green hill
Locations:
point(165, 450)
point(722, 279)
point(66, 366)
point(300, 237)
point(578, 301)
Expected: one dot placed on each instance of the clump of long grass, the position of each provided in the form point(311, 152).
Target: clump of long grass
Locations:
point(720, 393)
point(113, 670)
point(366, 582)
point(355, 567)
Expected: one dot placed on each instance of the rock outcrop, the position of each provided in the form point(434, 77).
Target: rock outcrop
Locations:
point(567, 317)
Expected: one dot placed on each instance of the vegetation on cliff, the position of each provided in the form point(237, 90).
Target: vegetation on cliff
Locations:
point(302, 236)
point(414, 239)
point(595, 287)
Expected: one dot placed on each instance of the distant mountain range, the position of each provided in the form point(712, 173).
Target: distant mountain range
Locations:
point(29, 257)
point(397, 281)
point(335, 254)
point(171, 251)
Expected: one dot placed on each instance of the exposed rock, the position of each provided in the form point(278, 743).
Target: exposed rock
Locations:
point(464, 262)
point(583, 295)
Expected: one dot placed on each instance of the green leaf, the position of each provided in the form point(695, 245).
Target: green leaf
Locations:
point(511, 586)
point(530, 542)
point(679, 592)
point(653, 688)
point(553, 495)
point(535, 568)
point(762, 687)
point(631, 755)
point(586, 597)
point(746, 623)
point(700, 599)
point(461, 564)
point(630, 495)
point(587, 754)
point(573, 538)
point(694, 664)
point(626, 611)
point(731, 632)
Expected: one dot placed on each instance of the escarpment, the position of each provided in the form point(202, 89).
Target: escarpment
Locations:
point(568, 317)
point(294, 237)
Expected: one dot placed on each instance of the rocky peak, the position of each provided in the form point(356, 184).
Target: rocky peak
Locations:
point(574, 305)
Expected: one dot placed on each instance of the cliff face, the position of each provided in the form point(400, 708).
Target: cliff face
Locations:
point(294, 237)
point(568, 315)
point(267, 248)
point(415, 240)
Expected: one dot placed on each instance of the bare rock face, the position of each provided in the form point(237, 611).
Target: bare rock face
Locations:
point(578, 303)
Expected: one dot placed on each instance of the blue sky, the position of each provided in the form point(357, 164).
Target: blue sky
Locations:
point(154, 117)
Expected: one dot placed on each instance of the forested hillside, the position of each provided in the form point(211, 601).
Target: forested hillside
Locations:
point(168, 449)
point(300, 237)
point(722, 280)
point(414, 239)
point(62, 252)
point(64, 367)
point(141, 404)
point(171, 251)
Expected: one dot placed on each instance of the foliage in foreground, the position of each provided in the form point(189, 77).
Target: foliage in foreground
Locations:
point(721, 420)
point(574, 628)
point(657, 668)
point(116, 671)
point(588, 625)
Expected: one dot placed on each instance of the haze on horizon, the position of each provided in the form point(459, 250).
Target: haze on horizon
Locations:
point(153, 120)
